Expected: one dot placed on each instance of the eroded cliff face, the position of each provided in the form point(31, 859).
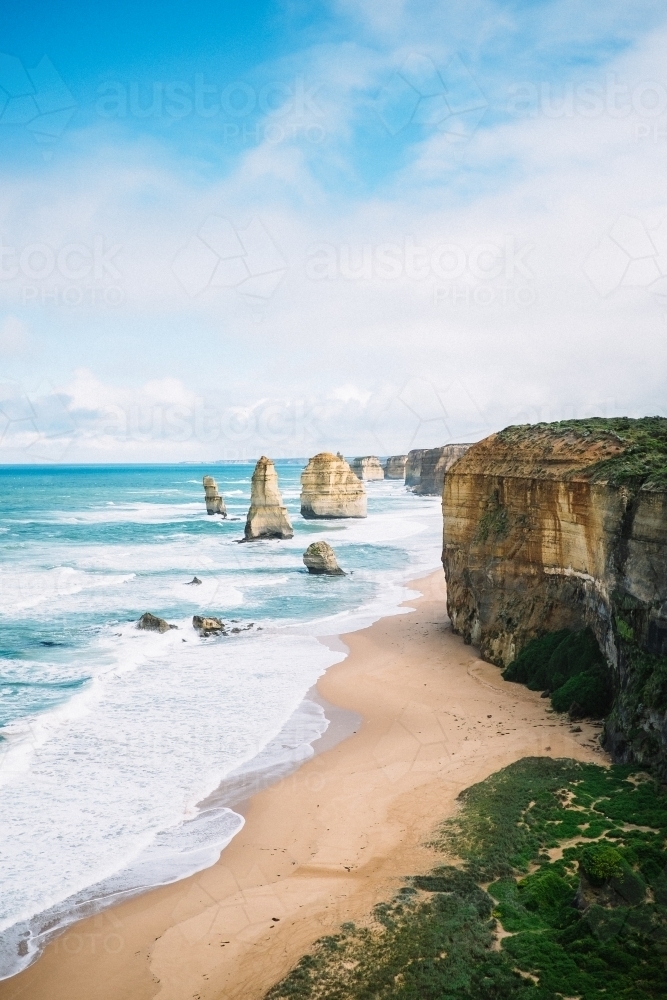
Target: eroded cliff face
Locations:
point(329, 488)
point(434, 464)
point(562, 526)
point(413, 466)
point(395, 467)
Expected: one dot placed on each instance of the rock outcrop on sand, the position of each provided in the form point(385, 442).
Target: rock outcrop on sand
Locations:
point(394, 467)
point(563, 526)
point(413, 466)
point(215, 504)
point(151, 623)
point(368, 467)
point(435, 463)
point(267, 517)
point(329, 488)
point(320, 558)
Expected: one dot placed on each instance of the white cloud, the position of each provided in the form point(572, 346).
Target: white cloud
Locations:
point(323, 357)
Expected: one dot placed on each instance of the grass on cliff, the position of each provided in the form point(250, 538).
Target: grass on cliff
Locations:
point(606, 832)
point(644, 461)
point(570, 666)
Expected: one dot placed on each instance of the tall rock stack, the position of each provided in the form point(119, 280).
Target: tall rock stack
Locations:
point(435, 463)
point(215, 504)
point(368, 467)
point(413, 466)
point(329, 488)
point(267, 517)
point(395, 467)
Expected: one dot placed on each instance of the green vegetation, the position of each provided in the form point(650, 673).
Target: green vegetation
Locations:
point(642, 463)
point(635, 719)
point(576, 855)
point(494, 521)
point(570, 666)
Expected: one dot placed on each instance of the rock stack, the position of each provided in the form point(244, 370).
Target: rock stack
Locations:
point(215, 504)
point(267, 517)
point(394, 467)
point(320, 558)
point(368, 467)
point(435, 463)
point(329, 488)
point(413, 466)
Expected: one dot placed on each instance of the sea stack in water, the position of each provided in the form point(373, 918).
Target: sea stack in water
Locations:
point(329, 488)
point(215, 504)
point(368, 467)
point(267, 518)
point(320, 558)
point(395, 467)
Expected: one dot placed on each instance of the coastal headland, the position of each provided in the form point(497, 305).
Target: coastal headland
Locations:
point(327, 843)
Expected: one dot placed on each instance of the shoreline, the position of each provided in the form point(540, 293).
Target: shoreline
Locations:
point(325, 843)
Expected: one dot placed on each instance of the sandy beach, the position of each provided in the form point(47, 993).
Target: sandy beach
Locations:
point(323, 845)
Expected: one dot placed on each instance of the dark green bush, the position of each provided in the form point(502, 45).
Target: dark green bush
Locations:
point(570, 666)
point(434, 940)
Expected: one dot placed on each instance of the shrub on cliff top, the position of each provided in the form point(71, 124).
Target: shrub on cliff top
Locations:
point(570, 666)
point(643, 462)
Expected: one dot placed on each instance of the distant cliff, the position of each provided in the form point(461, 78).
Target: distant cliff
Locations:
point(395, 467)
point(564, 526)
point(413, 466)
point(434, 464)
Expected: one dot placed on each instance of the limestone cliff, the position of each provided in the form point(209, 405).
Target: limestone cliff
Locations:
point(329, 488)
point(395, 467)
point(561, 526)
point(434, 464)
point(413, 466)
point(215, 504)
point(368, 467)
point(267, 517)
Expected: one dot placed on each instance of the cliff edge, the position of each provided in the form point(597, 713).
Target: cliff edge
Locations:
point(564, 526)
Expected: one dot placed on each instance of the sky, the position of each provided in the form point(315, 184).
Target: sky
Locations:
point(280, 228)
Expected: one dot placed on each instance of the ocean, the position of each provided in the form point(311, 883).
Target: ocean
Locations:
point(122, 751)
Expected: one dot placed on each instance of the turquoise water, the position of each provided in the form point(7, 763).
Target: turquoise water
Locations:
point(112, 736)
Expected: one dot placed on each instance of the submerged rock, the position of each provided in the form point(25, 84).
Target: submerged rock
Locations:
point(194, 581)
point(151, 623)
point(215, 504)
point(321, 558)
point(394, 467)
point(207, 626)
point(267, 517)
point(329, 488)
point(368, 467)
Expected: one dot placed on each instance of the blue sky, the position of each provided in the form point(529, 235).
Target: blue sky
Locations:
point(283, 227)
